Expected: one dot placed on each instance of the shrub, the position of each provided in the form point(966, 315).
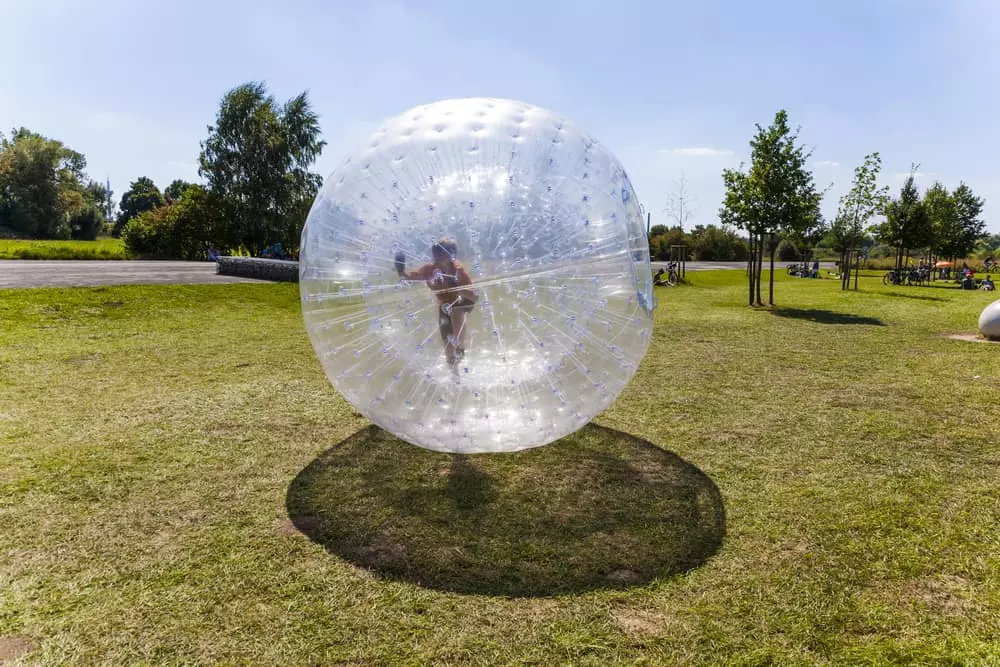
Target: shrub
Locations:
point(787, 252)
point(185, 229)
point(87, 224)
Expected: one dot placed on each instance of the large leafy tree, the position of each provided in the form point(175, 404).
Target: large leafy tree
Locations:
point(141, 196)
point(41, 185)
point(775, 195)
point(865, 200)
point(907, 224)
point(256, 162)
point(184, 229)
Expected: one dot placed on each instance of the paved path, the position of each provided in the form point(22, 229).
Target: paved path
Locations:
point(73, 273)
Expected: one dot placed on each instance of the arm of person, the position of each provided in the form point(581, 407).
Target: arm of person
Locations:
point(422, 272)
point(464, 279)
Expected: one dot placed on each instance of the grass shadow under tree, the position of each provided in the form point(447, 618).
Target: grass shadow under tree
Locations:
point(827, 316)
point(596, 509)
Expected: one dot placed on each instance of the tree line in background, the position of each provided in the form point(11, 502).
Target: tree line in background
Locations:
point(772, 208)
point(257, 191)
point(257, 186)
point(45, 191)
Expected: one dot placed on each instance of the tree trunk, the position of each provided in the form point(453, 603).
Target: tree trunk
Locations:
point(751, 265)
point(760, 269)
point(845, 258)
point(770, 287)
point(857, 270)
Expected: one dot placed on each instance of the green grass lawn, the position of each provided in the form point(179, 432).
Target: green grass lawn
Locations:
point(106, 248)
point(816, 484)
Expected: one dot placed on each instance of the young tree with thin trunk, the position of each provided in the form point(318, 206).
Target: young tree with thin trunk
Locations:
point(862, 202)
point(679, 204)
point(775, 195)
point(907, 224)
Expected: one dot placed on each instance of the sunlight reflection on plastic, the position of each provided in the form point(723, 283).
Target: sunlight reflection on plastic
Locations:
point(546, 225)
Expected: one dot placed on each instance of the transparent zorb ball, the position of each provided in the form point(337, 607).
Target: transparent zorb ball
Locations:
point(545, 224)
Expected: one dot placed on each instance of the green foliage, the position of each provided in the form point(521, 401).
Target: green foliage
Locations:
point(863, 201)
point(706, 243)
point(87, 224)
point(662, 237)
point(713, 243)
point(775, 196)
point(104, 248)
point(141, 196)
point(907, 223)
point(943, 213)
point(101, 196)
point(971, 227)
point(256, 161)
point(41, 185)
point(185, 229)
point(788, 252)
point(176, 190)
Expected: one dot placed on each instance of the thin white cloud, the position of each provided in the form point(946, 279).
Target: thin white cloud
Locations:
point(697, 151)
point(827, 163)
point(918, 176)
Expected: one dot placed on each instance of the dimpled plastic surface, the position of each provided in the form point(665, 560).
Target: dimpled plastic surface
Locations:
point(989, 321)
point(549, 229)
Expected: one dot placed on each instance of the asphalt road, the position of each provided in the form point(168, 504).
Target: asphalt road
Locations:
point(73, 273)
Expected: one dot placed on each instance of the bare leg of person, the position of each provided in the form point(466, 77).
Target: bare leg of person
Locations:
point(447, 336)
point(458, 319)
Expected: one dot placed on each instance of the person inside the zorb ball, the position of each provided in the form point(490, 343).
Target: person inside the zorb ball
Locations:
point(450, 283)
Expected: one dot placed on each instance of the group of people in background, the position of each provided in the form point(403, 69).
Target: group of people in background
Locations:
point(968, 277)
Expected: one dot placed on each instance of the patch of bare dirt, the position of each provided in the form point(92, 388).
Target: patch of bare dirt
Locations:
point(946, 594)
point(625, 576)
point(637, 623)
point(13, 647)
point(972, 338)
point(382, 552)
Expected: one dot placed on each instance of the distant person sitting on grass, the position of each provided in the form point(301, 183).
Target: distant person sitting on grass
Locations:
point(987, 284)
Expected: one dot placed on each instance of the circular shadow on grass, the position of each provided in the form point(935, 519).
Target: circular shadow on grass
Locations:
point(596, 509)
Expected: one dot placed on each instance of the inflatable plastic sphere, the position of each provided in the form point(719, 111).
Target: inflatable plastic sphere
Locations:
point(476, 278)
point(989, 321)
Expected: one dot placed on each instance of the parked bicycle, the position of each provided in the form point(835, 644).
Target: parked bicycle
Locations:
point(799, 270)
point(907, 276)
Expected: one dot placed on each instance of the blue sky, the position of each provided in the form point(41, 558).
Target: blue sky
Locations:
point(672, 88)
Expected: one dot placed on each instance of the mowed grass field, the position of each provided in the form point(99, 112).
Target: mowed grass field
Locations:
point(816, 484)
point(105, 248)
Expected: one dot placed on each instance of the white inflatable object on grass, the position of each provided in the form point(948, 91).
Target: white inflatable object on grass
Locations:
point(546, 225)
point(989, 321)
